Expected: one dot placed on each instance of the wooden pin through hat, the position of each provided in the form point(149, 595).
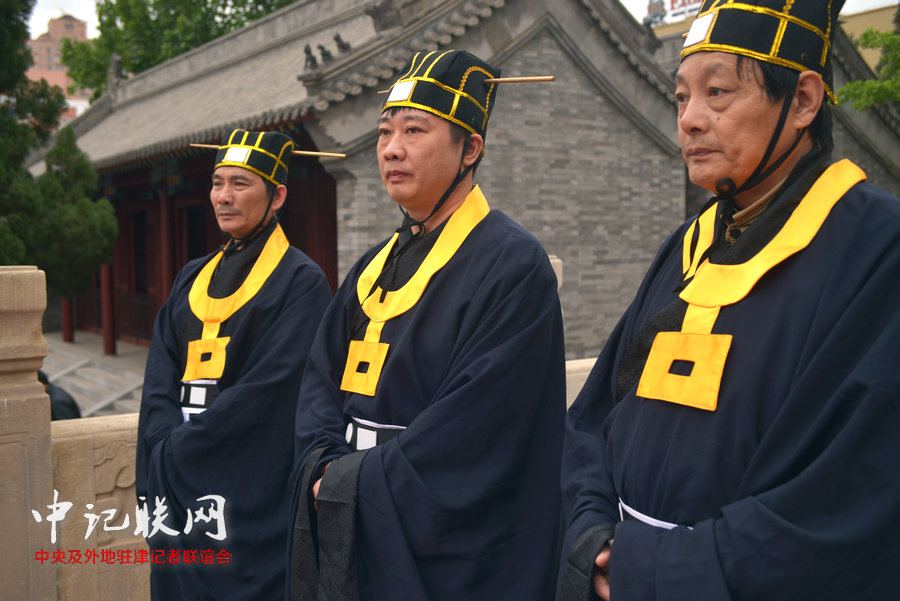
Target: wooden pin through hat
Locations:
point(529, 79)
point(306, 153)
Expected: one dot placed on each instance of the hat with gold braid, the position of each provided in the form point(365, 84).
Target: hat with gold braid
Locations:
point(266, 153)
point(791, 33)
point(449, 84)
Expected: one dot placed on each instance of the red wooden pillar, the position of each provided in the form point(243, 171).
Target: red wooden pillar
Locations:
point(107, 309)
point(67, 322)
point(166, 247)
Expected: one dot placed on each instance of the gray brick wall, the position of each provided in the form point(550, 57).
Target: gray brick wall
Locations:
point(366, 214)
point(573, 170)
point(846, 146)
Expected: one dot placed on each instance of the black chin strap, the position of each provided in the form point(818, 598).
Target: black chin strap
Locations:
point(726, 188)
point(233, 244)
point(409, 222)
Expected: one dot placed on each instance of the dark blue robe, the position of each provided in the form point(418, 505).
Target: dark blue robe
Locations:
point(789, 488)
point(464, 502)
point(242, 446)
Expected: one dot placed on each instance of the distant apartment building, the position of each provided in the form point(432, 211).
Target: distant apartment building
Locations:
point(46, 51)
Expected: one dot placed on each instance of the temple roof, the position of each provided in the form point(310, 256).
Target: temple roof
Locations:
point(262, 76)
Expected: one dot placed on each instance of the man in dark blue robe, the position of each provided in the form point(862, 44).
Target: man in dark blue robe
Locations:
point(215, 437)
point(429, 428)
point(738, 436)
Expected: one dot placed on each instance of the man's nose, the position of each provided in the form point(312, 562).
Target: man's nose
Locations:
point(223, 194)
point(693, 118)
point(392, 148)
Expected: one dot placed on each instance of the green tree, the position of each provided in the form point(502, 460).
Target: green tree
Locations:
point(70, 235)
point(29, 111)
point(144, 33)
point(885, 88)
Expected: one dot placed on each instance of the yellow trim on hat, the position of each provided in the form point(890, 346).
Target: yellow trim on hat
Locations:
point(410, 75)
point(456, 91)
point(778, 14)
point(760, 56)
point(487, 97)
point(784, 18)
point(434, 62)
point(255, 147)
point(412, 65)
point(824, 58)
point(428, 109)
point(262, 174)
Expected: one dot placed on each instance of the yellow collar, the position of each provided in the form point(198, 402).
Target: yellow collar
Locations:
point(394, 303)
point(716, 285)
point(217, 310)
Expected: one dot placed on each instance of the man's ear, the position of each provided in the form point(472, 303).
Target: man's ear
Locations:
point(476, 145)
point(808, 99)
point(278, 199)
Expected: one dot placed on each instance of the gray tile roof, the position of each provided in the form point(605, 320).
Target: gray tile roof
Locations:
point(244, 79)
point(257, 77)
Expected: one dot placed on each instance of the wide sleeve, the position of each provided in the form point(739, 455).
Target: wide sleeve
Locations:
point(590, 502)
point(816, 509)
point(319, 420)
point(160, 411)
point(589, 498)
point(822, 520)
point(466, 498)
point(247, 428)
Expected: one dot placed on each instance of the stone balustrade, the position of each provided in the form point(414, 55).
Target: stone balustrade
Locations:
point(89, 462)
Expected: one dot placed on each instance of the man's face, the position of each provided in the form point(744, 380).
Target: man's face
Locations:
point(725, 121)
point(417, 158)
point(239, 199)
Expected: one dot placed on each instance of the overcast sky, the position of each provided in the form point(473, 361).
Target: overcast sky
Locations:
point(44, 10)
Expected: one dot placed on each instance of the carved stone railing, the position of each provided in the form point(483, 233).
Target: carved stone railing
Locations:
point(93, 464)
point(88, 462)
point(26, 480)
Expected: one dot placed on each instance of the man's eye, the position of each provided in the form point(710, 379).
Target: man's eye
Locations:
point(715, 91)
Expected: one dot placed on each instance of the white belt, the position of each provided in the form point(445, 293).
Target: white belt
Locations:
point(637, 515)
point(363, 434)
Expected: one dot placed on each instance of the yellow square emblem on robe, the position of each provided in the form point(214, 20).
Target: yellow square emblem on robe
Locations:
point(205, 359)
point(363, 369)
point(706, 355)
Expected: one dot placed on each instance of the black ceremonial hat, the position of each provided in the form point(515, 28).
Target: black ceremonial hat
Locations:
point(795, 34)
point(265, 153)
point(449, 84)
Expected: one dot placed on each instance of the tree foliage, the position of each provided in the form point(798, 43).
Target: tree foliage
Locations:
point(69, 235)
point(29, 111)
point(144, 33)
point(885, 88)
point(51, 222)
